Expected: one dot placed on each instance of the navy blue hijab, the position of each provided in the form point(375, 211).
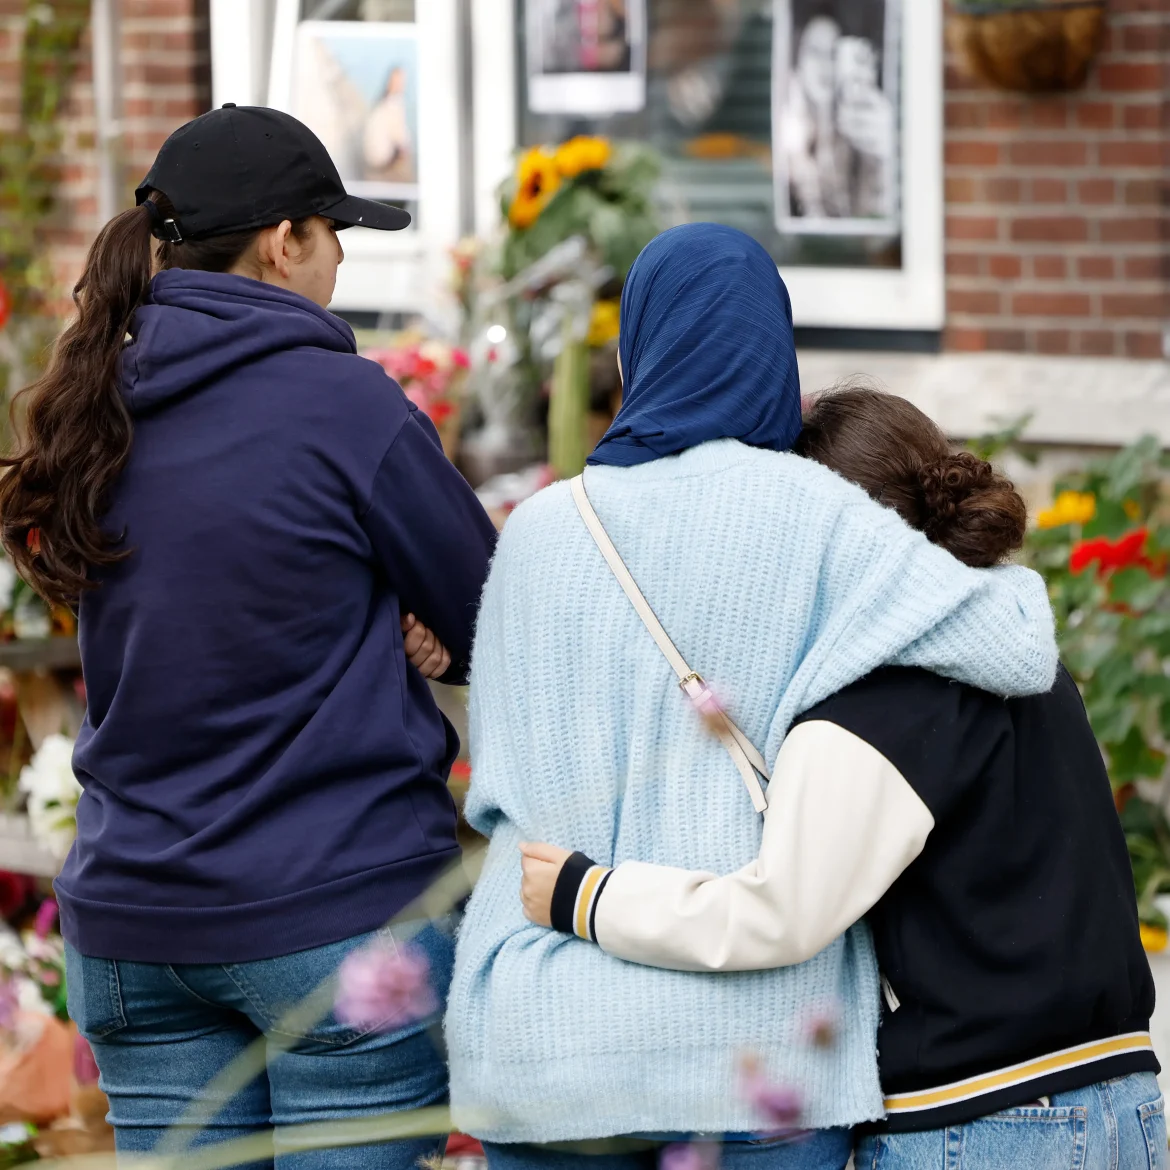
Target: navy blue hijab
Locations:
point(707, 349)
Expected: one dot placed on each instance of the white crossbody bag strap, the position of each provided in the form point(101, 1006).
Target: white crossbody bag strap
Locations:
point(748, 761)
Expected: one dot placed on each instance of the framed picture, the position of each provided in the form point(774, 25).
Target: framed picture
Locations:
point(586, 57)
point(836, 151)
point(356, 85)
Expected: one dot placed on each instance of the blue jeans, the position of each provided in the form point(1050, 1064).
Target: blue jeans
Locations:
point(1116, 1125)
point(161, 1033)
point(826, 1149)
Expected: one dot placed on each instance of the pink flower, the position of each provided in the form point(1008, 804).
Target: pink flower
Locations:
point(781, 1106)
point(46, 918)
point(461, 360)
point(9, 1004)
point(85, 1069)
point(690, 1156)
point(384, 986)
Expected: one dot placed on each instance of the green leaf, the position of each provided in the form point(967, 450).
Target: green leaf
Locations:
point(1137, 588)
point(1133, 759)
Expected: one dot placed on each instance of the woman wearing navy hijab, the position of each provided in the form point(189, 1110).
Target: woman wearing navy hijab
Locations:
point(780, 583)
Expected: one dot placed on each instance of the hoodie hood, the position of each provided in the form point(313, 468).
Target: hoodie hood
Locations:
point(196, 327)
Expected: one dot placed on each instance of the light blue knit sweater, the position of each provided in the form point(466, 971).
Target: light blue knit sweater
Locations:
point(780, 583)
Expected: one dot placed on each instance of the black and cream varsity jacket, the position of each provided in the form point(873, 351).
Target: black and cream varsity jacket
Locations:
point(978, 837)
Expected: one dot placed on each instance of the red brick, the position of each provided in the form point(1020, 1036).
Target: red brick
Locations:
point(959, 189)
point(1098, 342)
point(1144, 345)
point(1096, 191)
point(1131, 154)
point(972, 301)
point(1148, 268)
point(965, 340)
point(1005, 267)
point(965, 115)
point(1130, 77)
point(1053, 341)
point(1005, 115)
point(1054, 228)
point(1051, 305)
point(1095, 267)
point(1008, 340)
point(971, 227)
point(1145, 192)
point(964, 264)
point(1142, 117)
point(999, 189)
point(1134, 230)
point(971, 154)
point(1049, 153)
point(1049, 268)
point(1049, 191)
point(1050, 114)
point(1133, 305)
point(1143, 38)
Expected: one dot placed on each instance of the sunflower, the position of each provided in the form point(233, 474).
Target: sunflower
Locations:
point(582, 154)
point(537, 180)
point(604, 323)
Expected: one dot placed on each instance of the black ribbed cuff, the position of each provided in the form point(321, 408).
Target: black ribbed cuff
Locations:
point(564, 899)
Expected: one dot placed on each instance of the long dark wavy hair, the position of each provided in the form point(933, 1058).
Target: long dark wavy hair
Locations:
point(75, 436)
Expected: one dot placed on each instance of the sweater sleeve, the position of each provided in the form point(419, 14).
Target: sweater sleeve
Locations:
point(841, 825)
point(890, 587)
point(433, 538)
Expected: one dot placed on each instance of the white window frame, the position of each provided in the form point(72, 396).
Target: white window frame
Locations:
point(912, 297)
point(253, 44)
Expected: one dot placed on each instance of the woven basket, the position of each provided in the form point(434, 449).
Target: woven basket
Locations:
point(1030, 46)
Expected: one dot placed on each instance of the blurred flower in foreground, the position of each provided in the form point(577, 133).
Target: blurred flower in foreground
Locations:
point(85, 1069)
point(690, 1156)
point(385, 986)
point(582, 154)
point(9, 1003)
point(604, 323)
point(1068, 508)
point(821, 1027)
point(46, 918)
point(781, 1106)
point(53, 792)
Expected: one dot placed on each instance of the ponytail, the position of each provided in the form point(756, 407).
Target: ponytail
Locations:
point(77, 428)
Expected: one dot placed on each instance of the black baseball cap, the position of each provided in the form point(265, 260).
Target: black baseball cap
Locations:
point(243, 167)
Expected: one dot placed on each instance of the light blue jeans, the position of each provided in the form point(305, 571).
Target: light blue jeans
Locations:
point(826, 1149)
point(161, 1033)
point(1115, 1125)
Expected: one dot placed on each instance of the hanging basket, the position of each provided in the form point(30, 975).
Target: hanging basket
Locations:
point(1031, 46)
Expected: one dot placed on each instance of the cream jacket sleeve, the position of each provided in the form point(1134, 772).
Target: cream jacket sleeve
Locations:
point(842, 824)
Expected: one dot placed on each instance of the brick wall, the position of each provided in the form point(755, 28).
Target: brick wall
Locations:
point(1058, 208)
point(166, 81)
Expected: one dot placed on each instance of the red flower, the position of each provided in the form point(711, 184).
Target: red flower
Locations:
point(460, 358)
point(15, 891)
point(1124, 553)
point(5, 304)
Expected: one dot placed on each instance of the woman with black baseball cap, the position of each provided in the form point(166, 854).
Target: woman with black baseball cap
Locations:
point(245, 513)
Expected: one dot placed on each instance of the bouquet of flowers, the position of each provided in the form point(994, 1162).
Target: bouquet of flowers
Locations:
point(431, 374)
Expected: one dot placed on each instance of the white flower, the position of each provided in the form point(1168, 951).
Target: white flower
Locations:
point(53, 792)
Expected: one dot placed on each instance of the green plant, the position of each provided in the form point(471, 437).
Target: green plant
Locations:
point(1103, 549)
point(29, 172)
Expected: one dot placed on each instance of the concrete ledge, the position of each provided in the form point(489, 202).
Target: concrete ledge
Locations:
point(1098, 402)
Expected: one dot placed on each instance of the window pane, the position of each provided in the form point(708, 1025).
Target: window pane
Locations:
point(392, 10)
point(708, 109)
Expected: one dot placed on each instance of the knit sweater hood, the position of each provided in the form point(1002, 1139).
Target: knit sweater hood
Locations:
point(780, 583)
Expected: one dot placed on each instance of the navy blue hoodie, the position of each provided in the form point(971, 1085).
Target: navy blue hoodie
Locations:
point(263, 770)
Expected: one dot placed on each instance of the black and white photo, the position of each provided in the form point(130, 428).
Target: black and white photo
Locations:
point(836, 147)
point(586, 57)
